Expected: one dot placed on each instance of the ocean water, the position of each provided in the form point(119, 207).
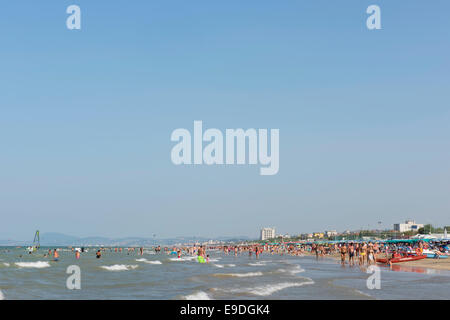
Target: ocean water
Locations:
point(161, 276)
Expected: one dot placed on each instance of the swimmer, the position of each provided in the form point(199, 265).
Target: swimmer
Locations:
point(55, 255)
point(98, 255)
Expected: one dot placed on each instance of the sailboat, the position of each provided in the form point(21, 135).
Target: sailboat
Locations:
point(36, 243)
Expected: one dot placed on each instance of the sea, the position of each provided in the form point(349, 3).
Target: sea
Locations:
point(163, 276)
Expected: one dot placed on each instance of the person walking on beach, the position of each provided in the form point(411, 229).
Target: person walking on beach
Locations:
point(371, 256)
point(351, 254)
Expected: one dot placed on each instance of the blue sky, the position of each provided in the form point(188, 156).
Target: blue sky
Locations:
point(86, 116)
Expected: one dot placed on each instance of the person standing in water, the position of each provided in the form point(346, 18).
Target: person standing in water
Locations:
point(55, 255)
point(77, 254)
point(98, 255)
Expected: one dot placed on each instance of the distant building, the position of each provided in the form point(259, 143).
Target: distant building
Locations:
point(331, 233)
point(318, 235)
point(267, 233)
point(409, 225)
point(428, 236)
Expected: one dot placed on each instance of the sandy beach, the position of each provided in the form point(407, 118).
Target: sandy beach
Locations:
point(438, 264)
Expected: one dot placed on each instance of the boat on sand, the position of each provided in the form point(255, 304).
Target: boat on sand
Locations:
point(401, 259)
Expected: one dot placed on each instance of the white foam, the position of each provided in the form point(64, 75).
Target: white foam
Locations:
point(119, 267)
point(240, 275)
point(295, 270)
point(269, 289)
point(38, 264)
point(6, 264)
point(183, 259)
point(153, 262)
point(176, 259)
point(257, 264)
point(218, 265)
point(190, 258)
point(2, 296)
point(363, 293)
point(149, 262)
point(230, 265)
point(199, 295)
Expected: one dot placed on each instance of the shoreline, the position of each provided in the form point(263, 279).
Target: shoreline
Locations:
point(408, 266)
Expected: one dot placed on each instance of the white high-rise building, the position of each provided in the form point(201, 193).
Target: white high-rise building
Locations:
point(267, 233)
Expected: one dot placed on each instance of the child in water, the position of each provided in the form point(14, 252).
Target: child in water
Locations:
point(207, 258)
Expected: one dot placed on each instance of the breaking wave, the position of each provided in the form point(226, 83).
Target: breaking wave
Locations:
point(119, 267)
point(239, 275)
point(267, 290)
point(295, 270)
point(199, 295)
point(260, 263)
point(38, 264)
point(183, 259)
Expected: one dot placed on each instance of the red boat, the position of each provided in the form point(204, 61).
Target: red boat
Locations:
point(401, 259)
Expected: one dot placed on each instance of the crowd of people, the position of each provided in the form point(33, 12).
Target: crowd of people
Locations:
point(357, 252)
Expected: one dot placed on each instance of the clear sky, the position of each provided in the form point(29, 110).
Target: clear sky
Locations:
point(86, 115)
